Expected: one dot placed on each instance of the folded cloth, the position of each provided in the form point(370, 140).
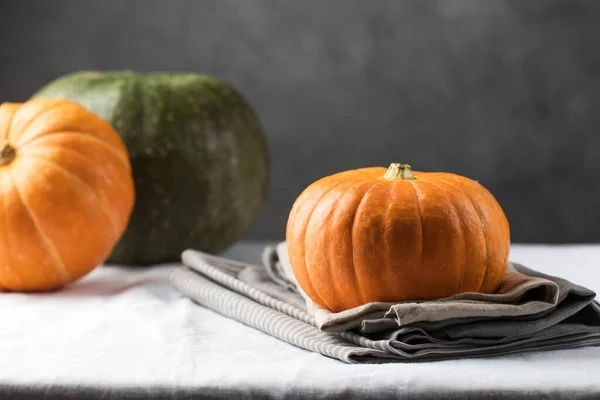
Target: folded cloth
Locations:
point(530, 311)
point(523, 293)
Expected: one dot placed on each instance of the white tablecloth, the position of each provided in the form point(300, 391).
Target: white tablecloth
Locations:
point(127, 328)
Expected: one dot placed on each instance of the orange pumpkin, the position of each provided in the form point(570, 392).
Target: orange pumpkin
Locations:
point(371, 235)
point(66, 193)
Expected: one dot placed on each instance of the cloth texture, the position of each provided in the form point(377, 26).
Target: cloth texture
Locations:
point(530, 311)
point(126, 333)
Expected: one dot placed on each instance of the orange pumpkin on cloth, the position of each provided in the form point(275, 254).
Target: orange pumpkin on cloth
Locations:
point(66, 193)
point(371, 235)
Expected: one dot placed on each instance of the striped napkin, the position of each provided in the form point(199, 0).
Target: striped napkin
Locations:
point(530, 312)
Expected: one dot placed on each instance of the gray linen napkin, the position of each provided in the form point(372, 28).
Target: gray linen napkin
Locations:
point(523, 293)
point(530, 311)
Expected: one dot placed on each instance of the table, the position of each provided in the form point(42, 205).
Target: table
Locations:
point(124, 332)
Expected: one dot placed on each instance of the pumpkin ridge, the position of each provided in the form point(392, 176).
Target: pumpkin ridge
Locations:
point(335, 215)
point(111, 216)
point(122, 157)
point(23, 129)
point(140, 87)
point(478, 211)
point(74, 151)
point(304, 239)
point(388, 263)
point(471, 203)
point(8, 266)
point(353, 235)
point(59, 265)
point(11, 116)
point(462, 233)
point(418, 208)
point(326, 230)
point(354, 274)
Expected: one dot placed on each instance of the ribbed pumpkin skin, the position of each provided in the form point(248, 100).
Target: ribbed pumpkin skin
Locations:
point(66, 196)
point(355, 237)
point(198, 153)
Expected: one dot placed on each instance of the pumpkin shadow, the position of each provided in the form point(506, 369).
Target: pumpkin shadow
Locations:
point(100, 286)
point(112, 281)
point(104, 287)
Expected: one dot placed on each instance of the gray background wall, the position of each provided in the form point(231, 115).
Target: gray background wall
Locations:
point(505, 92)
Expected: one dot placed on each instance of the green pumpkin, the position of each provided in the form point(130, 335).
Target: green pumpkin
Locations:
point(198, 153)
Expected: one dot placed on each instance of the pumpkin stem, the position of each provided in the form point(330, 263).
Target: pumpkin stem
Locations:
point(399, 171)
point(7, 153)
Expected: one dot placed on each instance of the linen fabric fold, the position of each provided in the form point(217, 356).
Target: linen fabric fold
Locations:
point(530, 311)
